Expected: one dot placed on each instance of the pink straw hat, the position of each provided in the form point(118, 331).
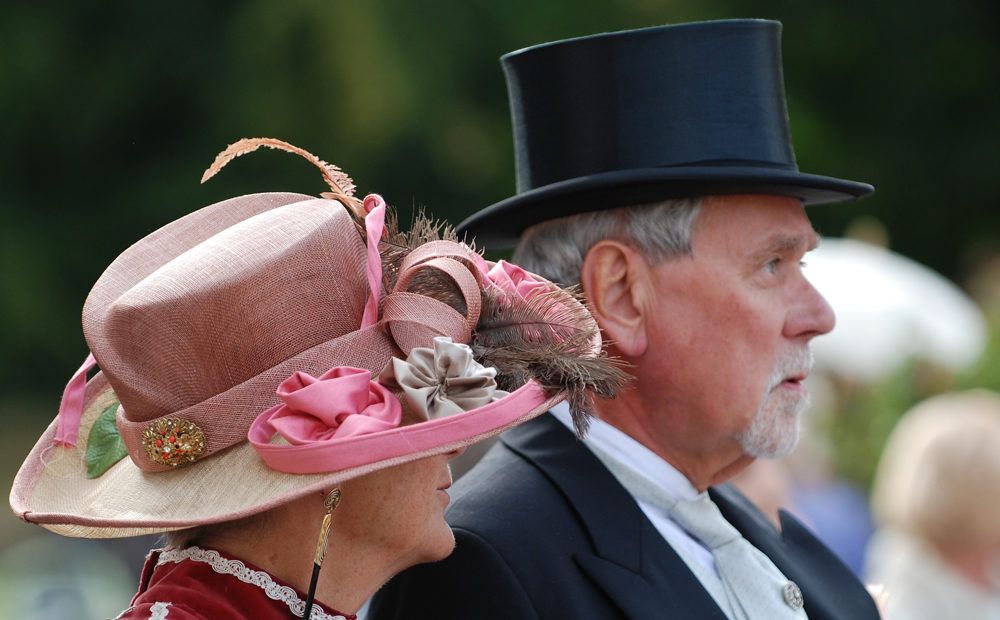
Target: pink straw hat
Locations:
point(273, 345)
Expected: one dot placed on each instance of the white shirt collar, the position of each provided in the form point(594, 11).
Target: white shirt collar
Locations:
point(632, 454)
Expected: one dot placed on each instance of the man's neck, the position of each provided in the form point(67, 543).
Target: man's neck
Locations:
point(606, 441)
point(702, 465)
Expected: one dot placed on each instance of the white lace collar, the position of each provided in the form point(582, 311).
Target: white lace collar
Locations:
point(239, 570)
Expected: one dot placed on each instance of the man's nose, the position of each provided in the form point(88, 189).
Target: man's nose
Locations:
point(811, 315)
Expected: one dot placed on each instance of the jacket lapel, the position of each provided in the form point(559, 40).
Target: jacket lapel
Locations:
point(631, 563)
point(829, 588)
point(641, 572)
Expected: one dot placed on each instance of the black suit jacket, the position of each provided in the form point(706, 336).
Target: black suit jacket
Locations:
point(543, 530)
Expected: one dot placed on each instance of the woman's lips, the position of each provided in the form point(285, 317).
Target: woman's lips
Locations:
point(443, 496)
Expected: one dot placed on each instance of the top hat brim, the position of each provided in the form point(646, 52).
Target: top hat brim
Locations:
point(500, 226)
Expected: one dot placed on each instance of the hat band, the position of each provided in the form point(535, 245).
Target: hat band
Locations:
point(225, 417)
point(734, 163)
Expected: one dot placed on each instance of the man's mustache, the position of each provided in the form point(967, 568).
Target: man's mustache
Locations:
point(797, 362)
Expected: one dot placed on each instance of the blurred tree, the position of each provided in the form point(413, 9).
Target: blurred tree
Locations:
point(110, 111)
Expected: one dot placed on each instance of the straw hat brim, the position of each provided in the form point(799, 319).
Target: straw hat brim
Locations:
point(52, 488)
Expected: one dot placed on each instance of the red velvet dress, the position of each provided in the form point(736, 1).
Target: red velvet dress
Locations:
point(204, 584)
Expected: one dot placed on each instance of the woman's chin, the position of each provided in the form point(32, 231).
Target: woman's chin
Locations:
point(440, 544)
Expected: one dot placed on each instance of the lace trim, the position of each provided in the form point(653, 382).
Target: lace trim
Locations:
point(239, 570)
point(158, 611)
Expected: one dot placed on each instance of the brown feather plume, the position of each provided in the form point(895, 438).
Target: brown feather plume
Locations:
point(548, 338)
point(341, 184)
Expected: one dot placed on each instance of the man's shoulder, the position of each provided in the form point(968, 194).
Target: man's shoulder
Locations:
point(507, 493)
point(519, 535)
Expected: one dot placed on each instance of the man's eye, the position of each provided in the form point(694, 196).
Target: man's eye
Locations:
point(772, 266)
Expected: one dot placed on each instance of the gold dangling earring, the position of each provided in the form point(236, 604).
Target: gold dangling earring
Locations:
point(330, 502)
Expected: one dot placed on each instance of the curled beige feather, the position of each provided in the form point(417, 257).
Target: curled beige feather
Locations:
point(341, 184)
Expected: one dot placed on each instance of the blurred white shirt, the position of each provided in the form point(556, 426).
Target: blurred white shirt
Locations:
point(921, 586)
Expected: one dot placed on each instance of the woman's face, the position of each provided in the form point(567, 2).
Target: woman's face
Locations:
point(399, 511)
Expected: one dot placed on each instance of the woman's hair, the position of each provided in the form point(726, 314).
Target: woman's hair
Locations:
point(939, 475)
point(204, 535)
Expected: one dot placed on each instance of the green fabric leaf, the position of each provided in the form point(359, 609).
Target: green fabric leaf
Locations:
point(104, 446)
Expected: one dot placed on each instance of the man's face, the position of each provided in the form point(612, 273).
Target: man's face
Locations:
point(728, 341)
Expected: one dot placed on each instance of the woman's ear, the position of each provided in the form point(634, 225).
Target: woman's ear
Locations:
point(615, 280)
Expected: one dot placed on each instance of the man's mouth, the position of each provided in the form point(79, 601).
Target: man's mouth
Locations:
point(799, 377)
point(791, 370)
point(794, 382)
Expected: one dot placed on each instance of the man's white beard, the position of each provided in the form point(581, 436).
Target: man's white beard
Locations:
point(774, 431)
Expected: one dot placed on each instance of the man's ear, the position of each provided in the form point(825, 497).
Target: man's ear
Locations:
point(615, 280)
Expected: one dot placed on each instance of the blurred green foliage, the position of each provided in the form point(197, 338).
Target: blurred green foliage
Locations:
point(866, 414)
point(110, 110)
point(860, 426)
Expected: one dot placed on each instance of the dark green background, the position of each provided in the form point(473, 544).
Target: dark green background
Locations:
point(110, 111)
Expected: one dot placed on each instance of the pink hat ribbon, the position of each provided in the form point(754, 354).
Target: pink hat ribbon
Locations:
point(374, 225)
point(342, 403)
point(71, 406)
point(414, 319)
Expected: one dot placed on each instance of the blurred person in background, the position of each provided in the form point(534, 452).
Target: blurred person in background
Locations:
point(936, 495)
point(277, 370)
point(655, 168)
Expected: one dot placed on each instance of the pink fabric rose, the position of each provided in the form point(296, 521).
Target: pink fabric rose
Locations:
point(513, 279)
point(342, 403)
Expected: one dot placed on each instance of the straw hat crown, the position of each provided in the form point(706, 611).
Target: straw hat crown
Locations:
point(231, 327)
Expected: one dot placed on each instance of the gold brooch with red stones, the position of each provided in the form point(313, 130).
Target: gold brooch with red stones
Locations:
point(173, 441)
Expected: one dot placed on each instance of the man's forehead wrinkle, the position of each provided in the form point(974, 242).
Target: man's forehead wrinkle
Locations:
point(781, 243)
point(788, 242)
point(805, 242)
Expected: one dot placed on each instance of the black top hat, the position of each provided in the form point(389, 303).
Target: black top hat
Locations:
point(631, 117)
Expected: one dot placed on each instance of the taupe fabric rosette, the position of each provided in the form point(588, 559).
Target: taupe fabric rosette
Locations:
point(444, 380)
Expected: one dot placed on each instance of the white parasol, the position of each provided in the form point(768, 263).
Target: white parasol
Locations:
point(889, 308)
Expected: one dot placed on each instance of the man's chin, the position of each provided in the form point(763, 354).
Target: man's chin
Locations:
point(774, 431)
point(770, 439)
point(777, 450)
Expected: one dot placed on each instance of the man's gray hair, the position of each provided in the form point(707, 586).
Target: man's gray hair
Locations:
point(659, 231)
